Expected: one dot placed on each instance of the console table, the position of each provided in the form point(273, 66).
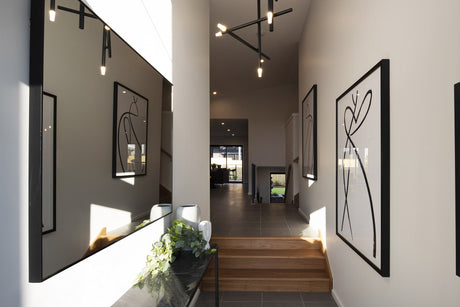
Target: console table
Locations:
point(177, 287)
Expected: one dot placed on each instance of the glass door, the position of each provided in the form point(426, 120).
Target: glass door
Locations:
point(230, 159)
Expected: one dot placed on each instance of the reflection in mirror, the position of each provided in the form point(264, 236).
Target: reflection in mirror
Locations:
point(93, 209)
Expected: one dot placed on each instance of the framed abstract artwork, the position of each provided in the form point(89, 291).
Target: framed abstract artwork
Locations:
point(309, 142)
point(363, 167)
point(130, 121)
point(457, 176)
point(49, 163)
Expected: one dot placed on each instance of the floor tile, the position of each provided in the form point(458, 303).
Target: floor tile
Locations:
point(316, 296)
point(282, 304)
point(242, 296)
point(281, 296)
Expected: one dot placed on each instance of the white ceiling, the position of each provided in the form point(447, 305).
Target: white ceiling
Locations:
point(234, 65)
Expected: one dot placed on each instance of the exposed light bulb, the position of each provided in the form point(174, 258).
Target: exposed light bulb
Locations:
point(103, 70)
point(228, 130)
point(222, 27)
point(52, 15)
point(219, 34)
point(222, 123)
point(262, 60)
point(214, 93)
point(259, 72)
point(270, 17)
point(107, 28)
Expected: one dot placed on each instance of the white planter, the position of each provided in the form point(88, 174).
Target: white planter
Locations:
point(159, 210)
point(189, 213)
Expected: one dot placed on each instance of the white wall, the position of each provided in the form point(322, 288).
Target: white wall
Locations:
point(267, 111)
point(341, 41)
point(191, 104)
point(99, 280)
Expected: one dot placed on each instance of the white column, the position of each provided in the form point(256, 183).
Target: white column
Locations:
point(191, 103)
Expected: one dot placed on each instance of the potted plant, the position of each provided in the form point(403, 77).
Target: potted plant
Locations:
point(180, 237)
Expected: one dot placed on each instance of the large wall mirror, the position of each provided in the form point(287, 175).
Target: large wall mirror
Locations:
point(100, 137)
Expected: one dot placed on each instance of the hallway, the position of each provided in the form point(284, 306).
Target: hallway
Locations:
point(233, 214)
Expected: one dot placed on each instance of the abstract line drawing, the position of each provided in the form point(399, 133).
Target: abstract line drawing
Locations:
point(309, 159)
point(363, 167)
point(130, 133)
point(348, 121)
point(127, 130)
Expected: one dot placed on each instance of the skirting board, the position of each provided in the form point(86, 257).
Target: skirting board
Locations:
point(304, 215)
point(336, 298)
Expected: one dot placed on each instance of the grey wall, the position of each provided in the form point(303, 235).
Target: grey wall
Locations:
point(342, 40)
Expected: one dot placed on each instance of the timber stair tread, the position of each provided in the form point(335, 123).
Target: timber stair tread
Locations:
point(280, 264)
point(270, 253)
point(273, 274)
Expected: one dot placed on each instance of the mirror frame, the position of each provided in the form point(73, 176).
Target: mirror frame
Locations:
point(36, 78)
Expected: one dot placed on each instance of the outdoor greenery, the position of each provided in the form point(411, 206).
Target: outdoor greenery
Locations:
point(276, 191)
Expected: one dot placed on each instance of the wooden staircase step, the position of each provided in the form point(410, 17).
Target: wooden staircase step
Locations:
point(267, 259)
point(259, 242)
point(268, 280)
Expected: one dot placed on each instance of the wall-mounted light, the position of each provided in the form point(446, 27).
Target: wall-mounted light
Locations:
point(52, 11)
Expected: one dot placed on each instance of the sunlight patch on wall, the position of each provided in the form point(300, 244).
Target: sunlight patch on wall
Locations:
point(129, 180)
point(318, 221)
point(110, 218)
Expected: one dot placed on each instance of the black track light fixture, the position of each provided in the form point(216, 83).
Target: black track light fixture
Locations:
point(270, 16)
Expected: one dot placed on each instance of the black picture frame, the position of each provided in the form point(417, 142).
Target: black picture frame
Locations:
point(309, 134)
point(457, 176)
point(363, 167)
point(48, 156)
point(130, 127)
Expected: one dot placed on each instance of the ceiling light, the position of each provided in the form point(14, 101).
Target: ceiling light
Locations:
point(222, 27)
point(103, 69)
point(233, 134)
point(222, 123)
point(214, 93)
point(269, 17)
point(228, 130)
point(262, 60)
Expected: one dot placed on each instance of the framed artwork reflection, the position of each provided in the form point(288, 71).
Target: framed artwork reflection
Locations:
point(130, 122)
point(309, 135)
point(49, 163)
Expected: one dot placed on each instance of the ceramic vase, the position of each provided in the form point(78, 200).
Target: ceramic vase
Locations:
point(189, 213)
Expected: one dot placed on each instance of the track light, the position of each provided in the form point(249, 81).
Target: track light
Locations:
point(222, 27)
point(52, 10)
point(259, 72)
point(106, 47)
point(270, 17)
point(270, 12)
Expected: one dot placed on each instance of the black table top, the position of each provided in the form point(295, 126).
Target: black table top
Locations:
point(176, 287)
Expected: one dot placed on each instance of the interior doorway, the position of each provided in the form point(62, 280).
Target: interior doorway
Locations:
point(277, 187)
point(227, 163)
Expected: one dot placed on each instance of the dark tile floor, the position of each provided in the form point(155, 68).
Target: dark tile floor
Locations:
point(267, 299)
point(232, 214)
